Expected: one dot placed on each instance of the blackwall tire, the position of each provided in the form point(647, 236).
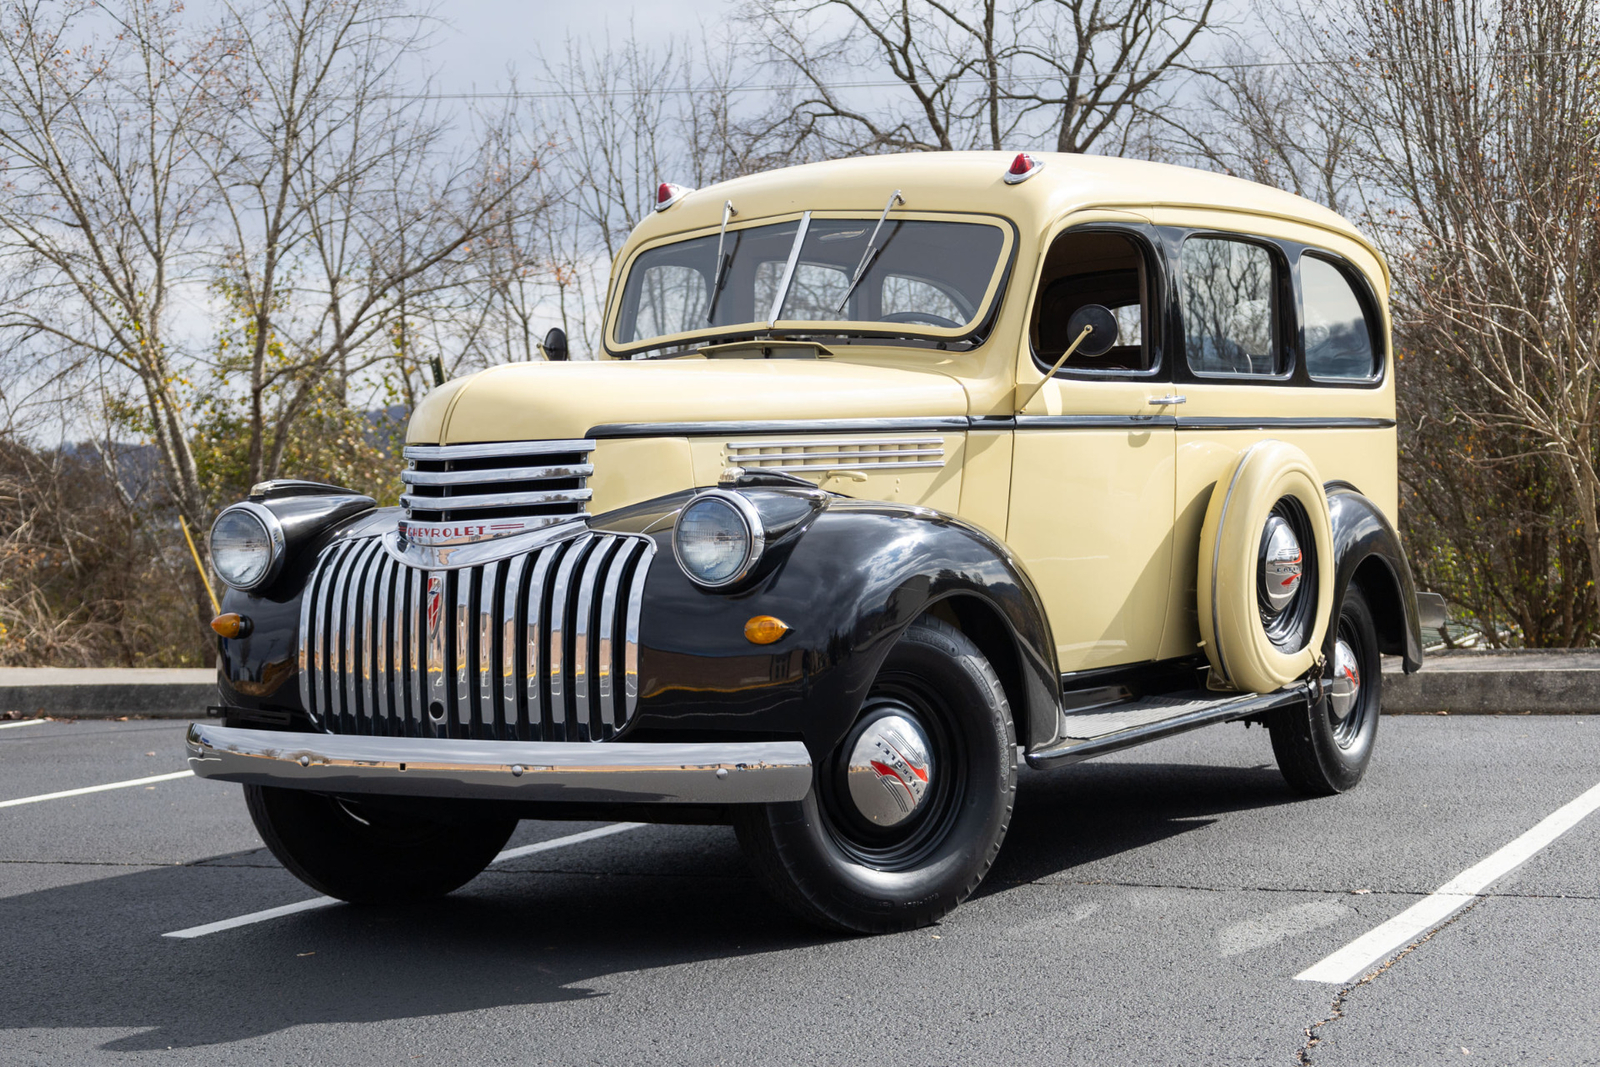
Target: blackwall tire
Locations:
point(1272, 478)
point(822, 859)
point(371, 853)
point(1322, 749)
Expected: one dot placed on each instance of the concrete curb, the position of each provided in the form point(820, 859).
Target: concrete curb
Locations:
point(1496, 682)
point(1565, 682)
point(106, 693)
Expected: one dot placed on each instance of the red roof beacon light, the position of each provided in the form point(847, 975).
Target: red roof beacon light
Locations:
point(1023, 168)
point(668, 194)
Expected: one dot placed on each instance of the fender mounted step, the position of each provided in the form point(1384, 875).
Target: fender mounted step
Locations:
point(1097, 731)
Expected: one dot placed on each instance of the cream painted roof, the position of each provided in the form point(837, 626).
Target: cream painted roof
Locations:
point(974, 181)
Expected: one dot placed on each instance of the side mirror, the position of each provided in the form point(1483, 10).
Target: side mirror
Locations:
point(1102, 339)
point(555, 345)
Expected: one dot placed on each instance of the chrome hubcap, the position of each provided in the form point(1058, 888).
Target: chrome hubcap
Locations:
point(890, 770)
point(1281, 564)
point(1344, 690)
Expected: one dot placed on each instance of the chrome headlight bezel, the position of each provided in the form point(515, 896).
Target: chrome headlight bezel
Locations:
point(275, 544)
point(755, 536)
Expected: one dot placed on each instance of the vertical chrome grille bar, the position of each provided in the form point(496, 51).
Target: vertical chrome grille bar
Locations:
point(487, 660)
point(340, 636)
point(630, 670)
point(416, 660)
point(560, 630)
point(435, 623)
point(307, 652)
point(383, 623)
point(371, 637)
point(608, 632)
point(462, 652)
point(583, 658)
point(354, 619)
point(510, 600)
point(534, 662)
point(327, 647)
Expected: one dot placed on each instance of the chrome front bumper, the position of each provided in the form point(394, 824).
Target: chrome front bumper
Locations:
point(754, 772)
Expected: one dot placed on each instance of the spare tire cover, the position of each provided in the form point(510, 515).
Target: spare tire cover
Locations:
point(1242, 653)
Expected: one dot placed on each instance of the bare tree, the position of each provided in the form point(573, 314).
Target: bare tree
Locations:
point(1075, 75)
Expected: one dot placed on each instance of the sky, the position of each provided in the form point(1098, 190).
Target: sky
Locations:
point(488, 36)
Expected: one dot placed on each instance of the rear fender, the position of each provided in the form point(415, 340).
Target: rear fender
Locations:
point(1368, 554)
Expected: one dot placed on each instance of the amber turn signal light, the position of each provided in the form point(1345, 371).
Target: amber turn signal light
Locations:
point(764, 629)
point(231, 625)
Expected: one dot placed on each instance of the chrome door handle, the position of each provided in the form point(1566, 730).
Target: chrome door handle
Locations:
point(1163, 401)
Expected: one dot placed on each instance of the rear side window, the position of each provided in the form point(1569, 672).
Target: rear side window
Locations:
point(1228, 315)
point(1338, 334)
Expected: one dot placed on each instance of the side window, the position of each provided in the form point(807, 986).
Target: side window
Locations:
point(1338, 335)
point(1227, 293)
point(1094, 268)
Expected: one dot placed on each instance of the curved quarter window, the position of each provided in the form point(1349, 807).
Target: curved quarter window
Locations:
point(1338, 335)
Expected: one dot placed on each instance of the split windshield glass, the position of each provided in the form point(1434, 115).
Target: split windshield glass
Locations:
point(925, 277)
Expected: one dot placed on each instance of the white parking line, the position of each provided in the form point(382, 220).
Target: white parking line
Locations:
point(1384, 940)
point(23, 722)
point(323, 902)
point(97, 788)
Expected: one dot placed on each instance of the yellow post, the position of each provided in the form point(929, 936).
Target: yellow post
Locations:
point(195, 552)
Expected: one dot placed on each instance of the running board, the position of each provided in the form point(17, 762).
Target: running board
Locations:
point(1086, 734)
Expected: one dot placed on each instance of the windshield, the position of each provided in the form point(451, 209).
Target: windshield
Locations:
point(918, 278)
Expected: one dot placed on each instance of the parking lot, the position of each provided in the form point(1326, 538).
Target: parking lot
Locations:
point(1154, 907)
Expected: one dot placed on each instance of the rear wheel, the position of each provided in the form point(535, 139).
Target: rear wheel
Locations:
point(906, 815)
point(1324, 748)
point(376, 852)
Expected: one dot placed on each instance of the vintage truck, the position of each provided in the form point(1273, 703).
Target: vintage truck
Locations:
point(891, 467)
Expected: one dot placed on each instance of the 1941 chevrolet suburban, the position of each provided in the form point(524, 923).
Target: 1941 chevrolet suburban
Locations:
point(890, 466)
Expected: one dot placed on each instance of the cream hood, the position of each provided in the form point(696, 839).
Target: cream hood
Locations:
point(552, 401)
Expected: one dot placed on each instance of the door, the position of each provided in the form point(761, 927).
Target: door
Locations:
point(1093, 464)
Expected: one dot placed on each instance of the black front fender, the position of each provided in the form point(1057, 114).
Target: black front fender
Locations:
point(1368, 552)
point(847, 587)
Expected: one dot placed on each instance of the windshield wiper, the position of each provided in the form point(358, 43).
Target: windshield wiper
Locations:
point(722, 261)
point(871, 252)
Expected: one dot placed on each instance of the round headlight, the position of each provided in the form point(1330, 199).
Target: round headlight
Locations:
point(246, 546)
point(718, 538)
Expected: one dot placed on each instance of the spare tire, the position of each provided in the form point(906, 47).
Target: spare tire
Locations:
point(1265, 580)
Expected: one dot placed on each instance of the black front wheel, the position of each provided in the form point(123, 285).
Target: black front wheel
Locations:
point(906, 815)
point(376, 852)
point(1324, 748)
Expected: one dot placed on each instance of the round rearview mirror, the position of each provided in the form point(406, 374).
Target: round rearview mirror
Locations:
point(555, 345)
point(1102, 338)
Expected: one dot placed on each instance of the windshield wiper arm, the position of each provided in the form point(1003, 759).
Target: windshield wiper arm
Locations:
point(871, 251)
point(722, 261)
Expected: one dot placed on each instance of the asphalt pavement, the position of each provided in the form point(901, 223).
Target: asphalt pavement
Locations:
point(1152, 907)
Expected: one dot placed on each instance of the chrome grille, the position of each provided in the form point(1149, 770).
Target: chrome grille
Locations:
point(541, 481)
point(539, 647)
point(806, 455)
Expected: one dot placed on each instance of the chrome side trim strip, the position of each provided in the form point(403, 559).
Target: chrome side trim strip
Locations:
point(929, 424)
point(495, 448)
point(1095, 422)
point(1208, 422)
point(758, 772)
point(881, 454)
point(499, 474)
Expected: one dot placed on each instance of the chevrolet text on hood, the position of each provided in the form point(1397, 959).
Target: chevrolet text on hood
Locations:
point(889, 467)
